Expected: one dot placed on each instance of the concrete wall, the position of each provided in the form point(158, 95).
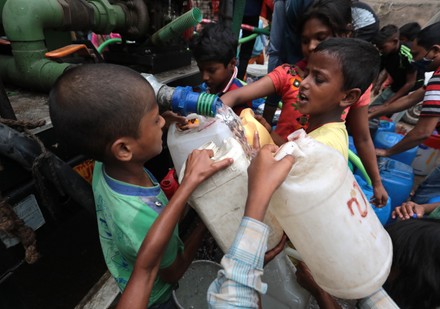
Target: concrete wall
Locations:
point(400, 12)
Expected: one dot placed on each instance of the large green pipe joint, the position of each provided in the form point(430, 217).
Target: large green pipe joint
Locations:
point(24, 23)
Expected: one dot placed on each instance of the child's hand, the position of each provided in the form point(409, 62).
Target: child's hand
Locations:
point(265, 174)
point(171, 117)
point(381, 152)
point(264, 122)
point(199, 166)
point(408, 210)
point(380, 196)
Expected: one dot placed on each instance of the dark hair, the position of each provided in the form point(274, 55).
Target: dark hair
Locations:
point(429, 36)
point(385, 34)
point(416, 260)
point(92, 105)
point(216, 43)
point(334, 14)
point(359, 60)
point(410, 30)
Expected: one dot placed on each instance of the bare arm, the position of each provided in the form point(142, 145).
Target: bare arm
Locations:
point(357, 120)
point(410, 81)
point(138, 289)
point(398, 105)
point(415, 137)
point(259, 89)
point(305, 279)
point(380, 80)
point(175, 271)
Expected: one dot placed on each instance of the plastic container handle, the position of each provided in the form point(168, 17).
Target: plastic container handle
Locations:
point(293, 253)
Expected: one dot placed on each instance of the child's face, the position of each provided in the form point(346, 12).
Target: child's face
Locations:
point(389, 46)
point(216, 75)
point(321, 90)
point(314, 32)
point(149, 142)
point(419, 52)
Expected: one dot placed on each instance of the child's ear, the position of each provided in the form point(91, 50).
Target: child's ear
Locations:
point(121, 149)
point(436, 49)
point(351, 97)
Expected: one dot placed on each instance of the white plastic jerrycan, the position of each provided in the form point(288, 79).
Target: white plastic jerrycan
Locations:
point(201, 130)
point(220, 200)
point(330, 222)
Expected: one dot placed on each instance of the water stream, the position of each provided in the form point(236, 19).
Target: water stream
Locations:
point(228, 116)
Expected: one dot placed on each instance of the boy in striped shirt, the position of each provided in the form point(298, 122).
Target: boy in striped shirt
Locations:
point(426, 51)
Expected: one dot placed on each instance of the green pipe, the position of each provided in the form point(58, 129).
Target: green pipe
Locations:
point(29, 68)
point(107, 43)
point(248, 38)
point(265, 30)
point(177, 26)
point(41, 75)
point(353, 158)
point(24, 23)
point(25, 20)
point(107, 17)
point(237, 17)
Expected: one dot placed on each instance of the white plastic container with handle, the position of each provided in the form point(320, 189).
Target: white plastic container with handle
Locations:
point(220, 200)
point(202, 130)
point(330, 222)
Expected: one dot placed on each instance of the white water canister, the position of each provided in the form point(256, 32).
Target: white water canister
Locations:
point(427, 156)
point(201, 130)
point(220, 200)
point(330, 222)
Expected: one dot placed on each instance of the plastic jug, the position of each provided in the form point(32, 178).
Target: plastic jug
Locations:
point(330, 222)
point(202, 130)
point(427, 156)
point(251, 125)
point(434, 200)
point(382, 213)
point(220, 200)
point(387, 140)
point(386, 126)
point(351, 145)
point(397, 178)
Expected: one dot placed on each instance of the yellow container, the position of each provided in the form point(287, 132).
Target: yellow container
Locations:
point(251, 125)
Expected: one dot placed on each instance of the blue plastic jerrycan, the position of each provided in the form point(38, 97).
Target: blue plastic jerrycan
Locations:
point(351, 144)
point(434, 200)
point(397, 178)
point(386, 126)
point(382, 213)
point(385, 140)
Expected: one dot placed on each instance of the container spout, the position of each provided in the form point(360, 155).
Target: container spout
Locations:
point(183, 100)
